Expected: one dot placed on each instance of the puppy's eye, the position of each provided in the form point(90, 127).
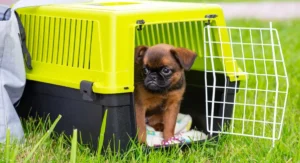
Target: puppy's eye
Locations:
point(146, 71)
point(166, 71)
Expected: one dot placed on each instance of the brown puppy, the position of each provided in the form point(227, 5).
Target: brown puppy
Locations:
point(159, 86)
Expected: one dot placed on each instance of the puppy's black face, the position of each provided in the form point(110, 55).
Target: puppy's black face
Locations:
point(162, 67)
point(157, 79)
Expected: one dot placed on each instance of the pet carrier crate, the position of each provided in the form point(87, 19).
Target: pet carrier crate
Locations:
point(83, 63)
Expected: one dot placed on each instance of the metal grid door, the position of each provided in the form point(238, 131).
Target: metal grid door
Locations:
point(259, 105)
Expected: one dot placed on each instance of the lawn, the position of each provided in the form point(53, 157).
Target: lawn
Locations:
point(229, 149)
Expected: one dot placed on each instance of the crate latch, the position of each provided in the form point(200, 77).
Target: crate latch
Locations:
point(140, 23)
point(210, 16)
point(86, 88)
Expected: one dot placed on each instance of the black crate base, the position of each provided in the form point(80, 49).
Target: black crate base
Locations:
point(42, 99)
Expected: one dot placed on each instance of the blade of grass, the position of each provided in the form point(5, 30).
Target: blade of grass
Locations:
point(74, 147)
point(43, 138)
point(101, 136)
point(14, 154)
point(7, 145)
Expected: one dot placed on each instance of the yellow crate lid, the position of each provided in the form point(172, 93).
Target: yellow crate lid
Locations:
point(95, 41)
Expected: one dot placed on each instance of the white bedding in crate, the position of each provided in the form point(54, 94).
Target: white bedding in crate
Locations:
point(183, 131)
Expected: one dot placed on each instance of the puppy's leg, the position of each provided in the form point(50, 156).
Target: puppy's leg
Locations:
point(169, 118)
point(140, 114)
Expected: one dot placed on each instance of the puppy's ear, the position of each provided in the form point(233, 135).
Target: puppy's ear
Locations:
point(139, 53)
point(184, 57)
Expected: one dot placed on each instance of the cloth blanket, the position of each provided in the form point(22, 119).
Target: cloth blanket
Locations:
point(183, 133)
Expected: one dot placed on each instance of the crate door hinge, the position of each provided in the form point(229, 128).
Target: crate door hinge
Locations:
point(140, 23)
point(210, 16)
point(86, 88)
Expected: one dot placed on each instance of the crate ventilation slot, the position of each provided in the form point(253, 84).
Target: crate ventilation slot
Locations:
point(180, 34)
point(59, 40)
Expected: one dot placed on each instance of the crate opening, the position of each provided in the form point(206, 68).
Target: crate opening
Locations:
point(190, 35)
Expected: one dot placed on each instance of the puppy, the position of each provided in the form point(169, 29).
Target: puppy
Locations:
point(159, 87)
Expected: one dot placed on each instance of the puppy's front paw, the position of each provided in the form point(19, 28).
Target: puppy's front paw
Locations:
point(172, 140)
point(168, 135)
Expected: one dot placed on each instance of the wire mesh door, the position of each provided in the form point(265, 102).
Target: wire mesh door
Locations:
point(259, 104)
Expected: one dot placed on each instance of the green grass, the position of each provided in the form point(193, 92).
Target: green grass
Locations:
point(229, 149)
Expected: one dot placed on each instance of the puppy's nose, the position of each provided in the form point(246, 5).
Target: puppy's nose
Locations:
point(153, 76)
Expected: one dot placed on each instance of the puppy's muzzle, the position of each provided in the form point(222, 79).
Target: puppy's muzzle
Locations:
point(152, 82)
point(153, 77)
